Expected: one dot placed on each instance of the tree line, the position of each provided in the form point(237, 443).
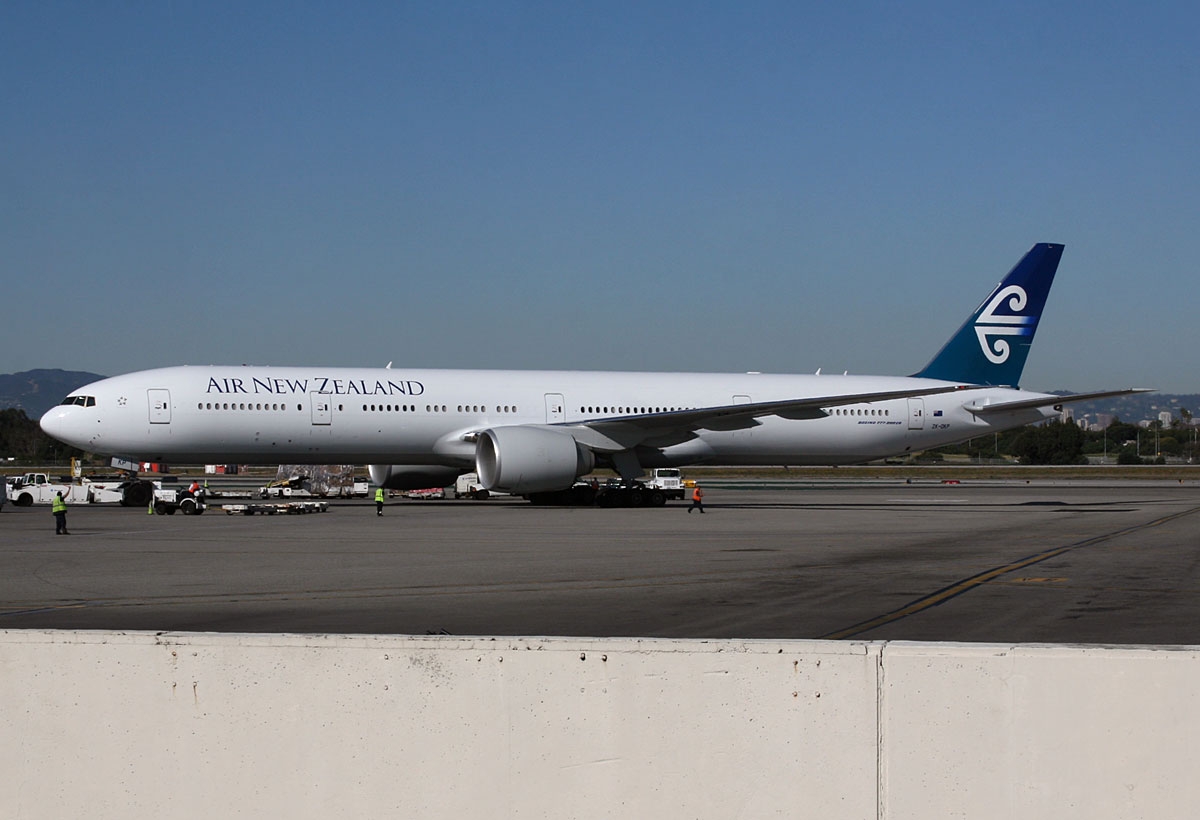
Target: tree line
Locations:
point(1058, 443)
point(22, 438)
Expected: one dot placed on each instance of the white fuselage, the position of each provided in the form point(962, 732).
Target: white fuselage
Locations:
point(273, 415)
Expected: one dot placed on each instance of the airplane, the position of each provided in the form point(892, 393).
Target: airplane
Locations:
point(537, 432)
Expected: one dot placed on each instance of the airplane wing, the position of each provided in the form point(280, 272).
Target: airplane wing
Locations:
point(624, 432)
point(1048, 400)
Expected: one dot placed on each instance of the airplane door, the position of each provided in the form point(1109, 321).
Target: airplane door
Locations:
point(160, 405)
point(322, 408)
point(556, 409)
point(916, 414)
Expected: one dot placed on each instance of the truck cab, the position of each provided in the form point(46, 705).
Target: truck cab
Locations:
point(36, 488)
point(667, 479)
point(30, 480)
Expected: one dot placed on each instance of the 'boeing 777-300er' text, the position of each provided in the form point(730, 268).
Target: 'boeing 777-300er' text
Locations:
point(530, 432)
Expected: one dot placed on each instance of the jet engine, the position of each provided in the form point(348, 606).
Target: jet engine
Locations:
point(412, 476)
point(522, 460)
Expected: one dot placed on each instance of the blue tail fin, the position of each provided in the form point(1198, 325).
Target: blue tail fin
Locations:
point(992, 345)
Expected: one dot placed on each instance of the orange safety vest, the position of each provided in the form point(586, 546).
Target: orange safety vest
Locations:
point(697, 494)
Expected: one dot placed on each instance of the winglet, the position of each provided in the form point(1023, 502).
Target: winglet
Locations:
point(991, 346)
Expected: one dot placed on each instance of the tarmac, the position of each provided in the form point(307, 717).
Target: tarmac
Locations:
point(1099, 562)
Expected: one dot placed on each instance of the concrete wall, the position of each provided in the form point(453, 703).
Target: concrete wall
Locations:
point(1039, 731)
point(201, 725)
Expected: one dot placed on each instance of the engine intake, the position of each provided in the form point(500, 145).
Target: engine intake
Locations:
point(522, 460)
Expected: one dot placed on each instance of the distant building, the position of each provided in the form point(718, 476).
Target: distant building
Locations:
point(1096, 422)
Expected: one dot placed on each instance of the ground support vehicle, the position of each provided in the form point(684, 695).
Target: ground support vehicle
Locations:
point(287, 508)
point(664, 483)
point(582, 494)
point(168, 502)
point(127, 493)
point(429, 494)
point(668, 481)
point(617, 492)
point(357, 488)
point(38, 488)
point(297, 486)
point(468, 486)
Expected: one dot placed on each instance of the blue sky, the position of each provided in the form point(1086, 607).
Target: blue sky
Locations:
point(662, 186)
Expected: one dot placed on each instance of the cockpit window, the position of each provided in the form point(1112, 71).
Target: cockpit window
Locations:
point(82, 401)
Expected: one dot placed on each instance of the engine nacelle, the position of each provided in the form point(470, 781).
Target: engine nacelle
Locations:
point(523, 460)
point(412, 476)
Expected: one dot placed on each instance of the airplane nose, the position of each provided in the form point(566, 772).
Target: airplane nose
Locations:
point(56, 422)
point(51, 422)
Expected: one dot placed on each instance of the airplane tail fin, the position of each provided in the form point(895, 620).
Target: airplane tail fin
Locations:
point(992, 345)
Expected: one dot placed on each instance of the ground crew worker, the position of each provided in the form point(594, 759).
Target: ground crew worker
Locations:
point(379, 501)
point(59, 508)
point(697, 495)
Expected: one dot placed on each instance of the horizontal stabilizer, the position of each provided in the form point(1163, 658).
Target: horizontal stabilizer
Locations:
point(1048, 400)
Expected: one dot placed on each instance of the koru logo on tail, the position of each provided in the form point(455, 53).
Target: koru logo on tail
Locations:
point(991, 327)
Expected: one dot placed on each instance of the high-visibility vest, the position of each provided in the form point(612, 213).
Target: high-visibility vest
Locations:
point(697, 494)
point(59, 505)
point(379, 496)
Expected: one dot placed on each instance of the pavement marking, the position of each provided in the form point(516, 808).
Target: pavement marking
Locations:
point(974, 581)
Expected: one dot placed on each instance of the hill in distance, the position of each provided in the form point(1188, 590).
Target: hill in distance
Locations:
point(36, 391)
